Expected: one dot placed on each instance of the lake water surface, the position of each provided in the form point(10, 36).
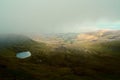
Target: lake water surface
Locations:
point(23, 55)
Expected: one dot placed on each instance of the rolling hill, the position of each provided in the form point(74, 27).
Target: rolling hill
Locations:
point(101, 35)
point(84, 59)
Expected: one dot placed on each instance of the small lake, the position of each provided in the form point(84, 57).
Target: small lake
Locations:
point(23, 55)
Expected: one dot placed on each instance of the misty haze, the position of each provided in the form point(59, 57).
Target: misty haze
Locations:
point(59, 40)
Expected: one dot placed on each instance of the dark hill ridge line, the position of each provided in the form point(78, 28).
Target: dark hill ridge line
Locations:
point(18, 43)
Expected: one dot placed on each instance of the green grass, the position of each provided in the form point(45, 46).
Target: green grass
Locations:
point(101, 62)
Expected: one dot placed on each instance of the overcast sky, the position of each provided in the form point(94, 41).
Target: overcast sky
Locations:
point(57, 16)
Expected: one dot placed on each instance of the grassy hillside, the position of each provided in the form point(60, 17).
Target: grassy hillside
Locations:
point(93, 61)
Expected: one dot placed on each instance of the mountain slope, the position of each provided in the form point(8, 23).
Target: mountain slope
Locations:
point(88, 61)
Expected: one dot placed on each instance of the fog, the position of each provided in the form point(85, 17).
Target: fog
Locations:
point(58, 16)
